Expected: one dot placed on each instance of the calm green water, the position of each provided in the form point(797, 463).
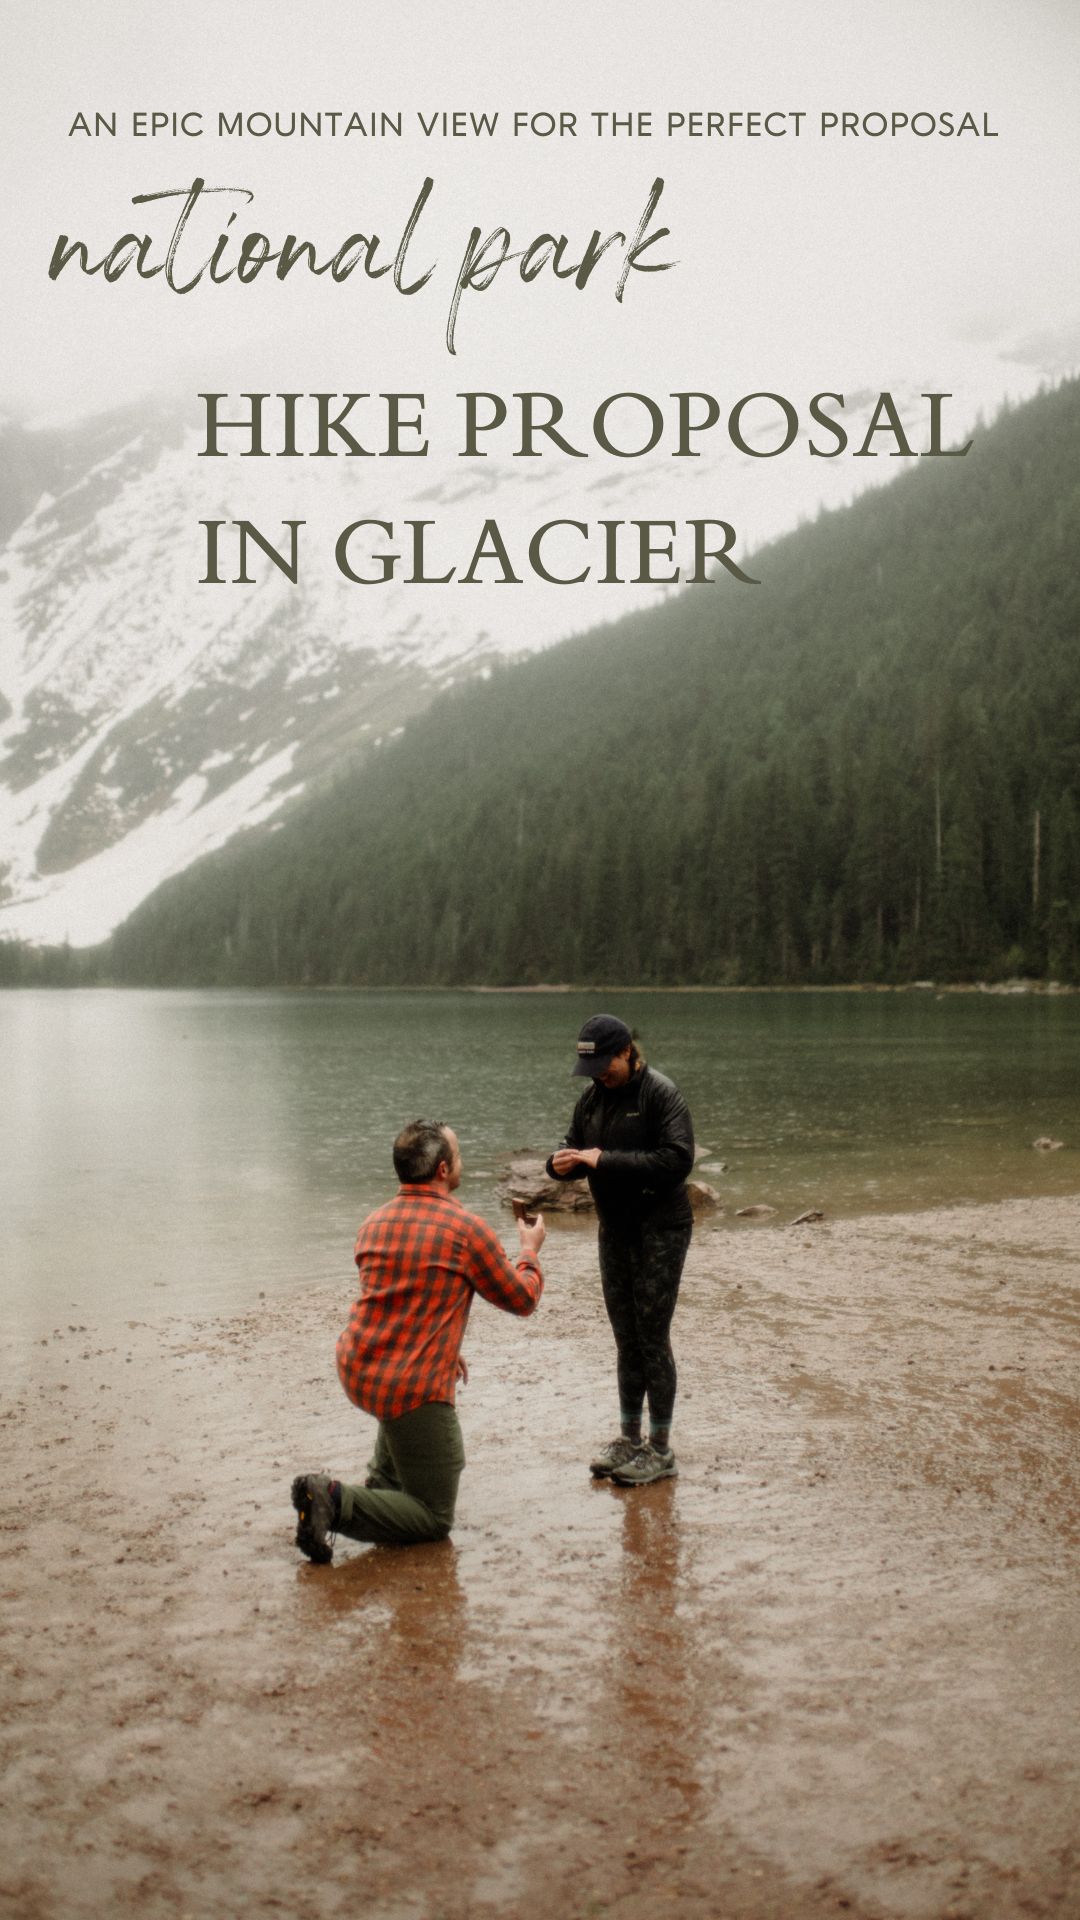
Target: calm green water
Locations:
point(177, 1151)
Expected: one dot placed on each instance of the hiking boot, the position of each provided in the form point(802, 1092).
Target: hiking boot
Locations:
point(645, 1464)
point(615, 1454)
point(314, 1503)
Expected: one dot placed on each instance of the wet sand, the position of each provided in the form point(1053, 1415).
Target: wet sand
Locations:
point(834, 1668)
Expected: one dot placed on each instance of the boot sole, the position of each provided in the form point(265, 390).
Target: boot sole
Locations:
point(319, 1552)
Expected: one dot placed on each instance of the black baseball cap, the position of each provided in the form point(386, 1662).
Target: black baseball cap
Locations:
point(600, 1039)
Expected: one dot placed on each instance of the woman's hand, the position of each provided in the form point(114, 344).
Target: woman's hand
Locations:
point(568, 1158)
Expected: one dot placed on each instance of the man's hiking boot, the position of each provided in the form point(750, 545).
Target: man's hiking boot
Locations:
point(645, 1464)
point(615, 1454)
point(314, 1502)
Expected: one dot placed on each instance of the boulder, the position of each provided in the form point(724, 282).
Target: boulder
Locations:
point(759, 1211)
point(806, 1219)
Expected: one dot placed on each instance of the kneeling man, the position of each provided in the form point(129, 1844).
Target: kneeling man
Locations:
point(421, 1259)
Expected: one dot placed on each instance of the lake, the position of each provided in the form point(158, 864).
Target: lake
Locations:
point(173, 1152)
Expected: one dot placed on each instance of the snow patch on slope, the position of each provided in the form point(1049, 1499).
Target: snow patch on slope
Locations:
point(107, 887)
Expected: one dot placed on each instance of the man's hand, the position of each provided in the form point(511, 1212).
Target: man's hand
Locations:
point(568, 1158)
point(463, 1369)
point(532, 1237)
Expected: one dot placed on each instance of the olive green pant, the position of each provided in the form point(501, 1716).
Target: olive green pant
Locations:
point(412, 1483)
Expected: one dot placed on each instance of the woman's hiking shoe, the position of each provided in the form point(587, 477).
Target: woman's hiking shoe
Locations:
point(615, 1454)
point(314, 1502)
point(645, 1464)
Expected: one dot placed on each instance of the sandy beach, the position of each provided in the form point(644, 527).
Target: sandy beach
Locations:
point(833, 1668)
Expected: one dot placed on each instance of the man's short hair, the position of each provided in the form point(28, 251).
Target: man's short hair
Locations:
point(418, 1151)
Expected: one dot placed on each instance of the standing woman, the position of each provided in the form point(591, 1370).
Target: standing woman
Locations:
point(632, 1137)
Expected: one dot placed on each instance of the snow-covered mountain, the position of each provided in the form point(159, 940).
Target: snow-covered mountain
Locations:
point(145, 717)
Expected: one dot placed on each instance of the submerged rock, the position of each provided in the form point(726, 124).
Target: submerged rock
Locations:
point(757, 1212)
point(805, 1219)
point(1044, 1144)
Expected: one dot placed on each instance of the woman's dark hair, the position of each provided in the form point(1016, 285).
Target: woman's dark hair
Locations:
point(418, 1151)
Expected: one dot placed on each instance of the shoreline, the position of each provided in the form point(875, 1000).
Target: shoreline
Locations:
point(800, 1678)
point(998, 989)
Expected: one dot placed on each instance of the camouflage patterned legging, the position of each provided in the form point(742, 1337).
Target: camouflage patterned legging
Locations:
point(640, 1276)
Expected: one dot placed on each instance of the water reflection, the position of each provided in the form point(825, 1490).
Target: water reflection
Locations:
point(414, 1594)
point(183, 1151)
point(651, 1698)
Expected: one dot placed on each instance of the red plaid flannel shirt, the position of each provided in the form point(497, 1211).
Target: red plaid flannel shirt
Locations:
point(421, 1259)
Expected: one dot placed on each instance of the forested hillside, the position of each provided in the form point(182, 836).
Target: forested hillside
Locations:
point(866, 769)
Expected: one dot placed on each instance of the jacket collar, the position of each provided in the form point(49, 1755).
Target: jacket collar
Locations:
point(628, 1086)
point(426, 1190)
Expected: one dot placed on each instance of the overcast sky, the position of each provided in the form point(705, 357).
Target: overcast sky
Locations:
point(851, 264)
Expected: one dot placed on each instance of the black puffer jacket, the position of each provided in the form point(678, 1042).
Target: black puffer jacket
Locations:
point(646, 1139)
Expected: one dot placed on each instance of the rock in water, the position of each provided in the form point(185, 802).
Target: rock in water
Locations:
point(703, 1198)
